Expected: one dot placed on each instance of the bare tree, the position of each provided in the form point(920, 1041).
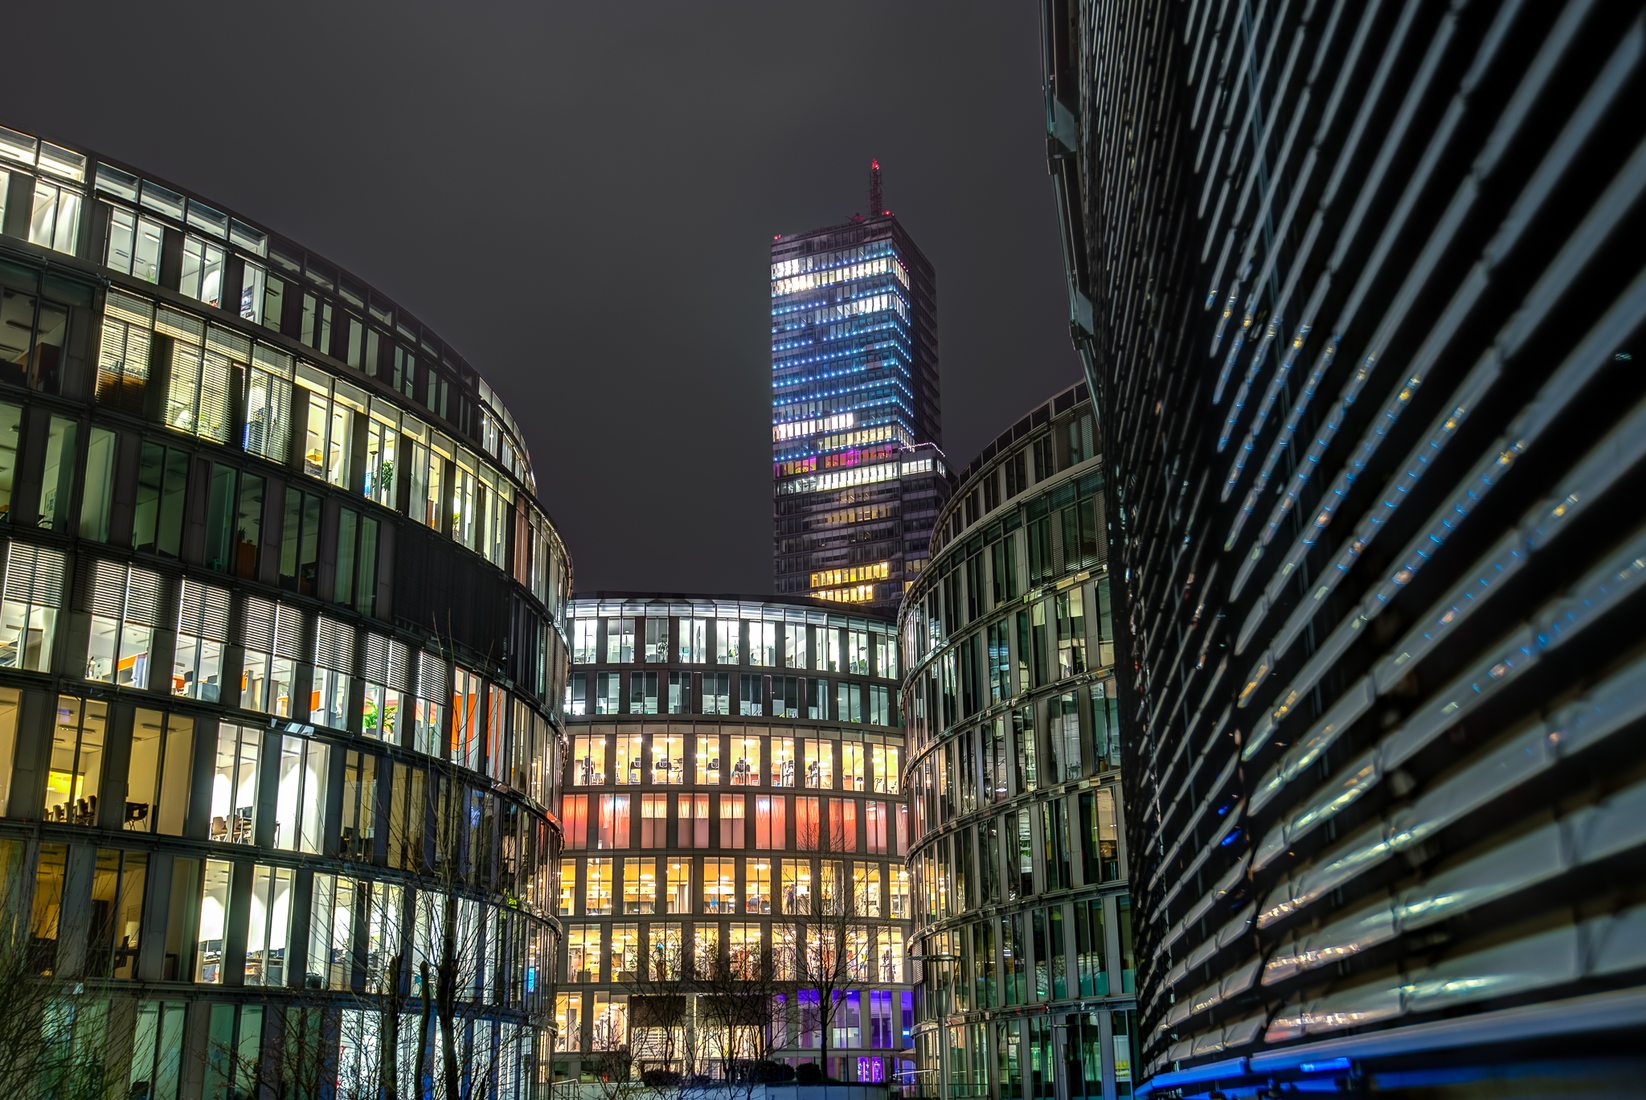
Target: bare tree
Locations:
point(50, 1041)
point(825, 947)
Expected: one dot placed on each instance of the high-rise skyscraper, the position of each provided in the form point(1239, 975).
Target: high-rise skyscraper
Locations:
point(858, 474)
point(1360, 292)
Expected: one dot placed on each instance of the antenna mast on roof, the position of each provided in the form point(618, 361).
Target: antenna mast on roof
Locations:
point(876, 200)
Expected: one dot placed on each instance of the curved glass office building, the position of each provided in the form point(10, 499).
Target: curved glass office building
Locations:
point(281, 660)
point(1022, 924)
point(733, 887)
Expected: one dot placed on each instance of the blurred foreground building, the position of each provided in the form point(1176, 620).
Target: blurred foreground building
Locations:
point(1360, 294)
point(281, 665)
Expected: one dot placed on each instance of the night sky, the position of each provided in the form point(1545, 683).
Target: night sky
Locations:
point(581, 198)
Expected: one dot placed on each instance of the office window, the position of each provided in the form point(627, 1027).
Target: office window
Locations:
point(57, 478)
point(732, 832)
point(597, 887)
point(757, 886)
point(162, 487)
point(75, 776)
point(728, 641)
point(583, 953)
point(643, 693)
point(272, 636)
point(199, 373)
point(133, 245)
point(680, 692)
point(234, 783)
point(268, 402)
point(708, 759)
point(717, 690)
point(719, 885)
point(355, 578)
point(751, 695)
point(857, 652)
point(880, 705)
point(694, 646)
point(770, 821)
point(300, 542)
point(666, 954)
point(387, 674)
point(706, 949)
point(885, 655)
point(830, 649)
point(117, 897)
point(875, 820)
point(679, 885)
point(639, 886)
point(234, 521)
point(333, 658)
point(763, 644)
point(331, 932)
point(866, 889)
point(574, 818)
point(55, 220)
point(627, 767)
point(817, 700)
point(384, 939)
point(588, 760)
point(656, 640)
point(607, 685)
point(808, 825)
point(849, 703)
point(782, 761)
point(898, 892)
point(268, 931)
point(359, 823)
point(842, 825)
point(786, 697)
point(1071, 632)
point(377, 481)
point(654, 821)
point(745, 758)
point(884, 760)
point(797, 887)
point(796, 647)
point(694, 821)
point(819, 763)
point(619, 641)
point(568, 887)
point(429, 715)
point(851, 763)
point(123, 604)
point(583, 641)
point(668, 758)
point(213, 909)
point(123, 352)
point(300, 800)
point(614, 821)
point(158, 775)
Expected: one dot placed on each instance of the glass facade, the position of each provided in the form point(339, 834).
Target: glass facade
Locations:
point(1022, 941)
point(735, 833)
point(858, 476)
point(1358, 292)
point(282, 660)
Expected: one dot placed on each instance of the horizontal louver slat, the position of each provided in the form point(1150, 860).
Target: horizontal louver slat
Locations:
point(333, 644)
point(257, 624)
point(34, 575)
point(204, 611)
point(288, 632)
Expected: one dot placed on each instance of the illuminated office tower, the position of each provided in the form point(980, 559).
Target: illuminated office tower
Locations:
point(282, 662)
point(857, 465)
point(735, 833)
point(1360, 292)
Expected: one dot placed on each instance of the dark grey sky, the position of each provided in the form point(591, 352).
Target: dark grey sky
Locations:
point(581, 198)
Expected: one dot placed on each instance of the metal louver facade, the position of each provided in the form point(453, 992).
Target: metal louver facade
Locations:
point(1358, 288)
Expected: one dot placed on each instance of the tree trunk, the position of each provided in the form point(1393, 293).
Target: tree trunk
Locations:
point(446, 997)
point(423, 1029)
point(388, 1055)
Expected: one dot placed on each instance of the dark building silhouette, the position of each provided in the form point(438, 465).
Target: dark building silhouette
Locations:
point(1359, 292)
